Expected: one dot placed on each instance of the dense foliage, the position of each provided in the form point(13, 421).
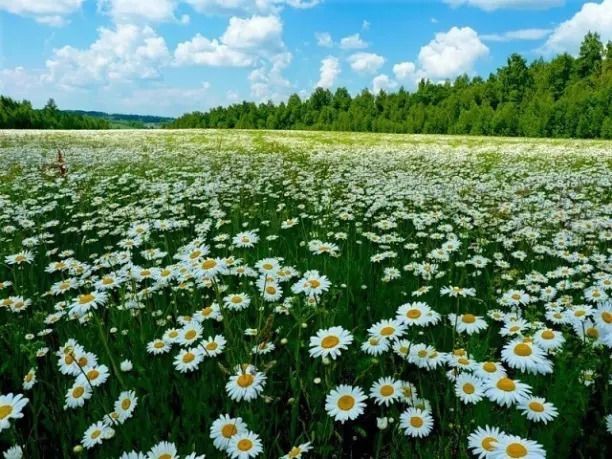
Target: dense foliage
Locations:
point(21, 115)
point(564, 97)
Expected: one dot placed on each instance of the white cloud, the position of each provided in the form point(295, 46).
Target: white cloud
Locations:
point(521, 34)
point(268, 82)
point(366, 62)
point(242, 43)
point(353, 42)
point(452, 53)
point(404, 70)
point(324, 39)
point(165, 100)
point(365, 25)
point(330, 69)
point(492, 5)
point(50, 12)
point(592, 17)
point(383, 83)
point(136, 10)
point(121, 54)
point(247, 7)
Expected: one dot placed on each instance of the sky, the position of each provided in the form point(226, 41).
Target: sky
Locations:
point(168, 57)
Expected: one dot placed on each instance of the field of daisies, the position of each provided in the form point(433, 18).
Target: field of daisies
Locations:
point(236, 294)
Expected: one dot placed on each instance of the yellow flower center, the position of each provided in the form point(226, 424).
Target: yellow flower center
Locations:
point(416, 421)
point(77, 392)
point(96, 433)
point(579, 313)
point(387, 390)
point(346, 402)
point(165, 456)
point(489, 367)
point(592, 332)
point(536, 406)
point(86, 298)
point(607, 317)
point(245, 380)
point(229, 430)
point(126, 403)
point(270, 290)
point(314, 283)
point(522, 349)
point(191, 334)
point(547, 334)
point(506, 384)
point(5, 411)
point(488, 443)
point(93, 374)
point(245, 444)
point(158, 344)
point(295, 452)
point(330, 341)
point(106, 280)
point(422, 353)
point(516, 450)
point(413, 313)
point(469, 388)
point(267, 266)
point(387, 331)
point(463, 361)
point(188, 357)
point(207, 311)
point(236, 299)
point(209, 264)
point(468, 318)
point(211, 346)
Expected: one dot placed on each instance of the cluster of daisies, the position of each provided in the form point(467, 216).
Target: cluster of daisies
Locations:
point(508, 254)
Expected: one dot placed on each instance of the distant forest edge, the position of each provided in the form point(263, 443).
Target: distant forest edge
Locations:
point(564, 97)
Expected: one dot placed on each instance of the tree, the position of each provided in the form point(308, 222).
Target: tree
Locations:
point(590, 57)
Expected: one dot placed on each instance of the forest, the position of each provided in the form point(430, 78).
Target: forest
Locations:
point(564, 97)
point(21, 115)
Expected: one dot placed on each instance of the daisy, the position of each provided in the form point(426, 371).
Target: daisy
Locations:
point(468, 388)
point(467, 323)
point(163, 450)
point(329, 342)
point(537, 409)
point(524, 355)
point(188, 360)
point(236, 301)
point(77, 395)
point(158, 346)
point(548, 339)
point(375, 346)
point(505, 391)
point(408, 391)
point(263, 348)
point(271, 291)
point(312, 284)
point(29, 379)
point(126, 404)
point(210, 268)
point(11, 407)
point(208, 312)
point(245, 239)
point(513, 447)
point(417, 313)
point(482, 442)
point(95, 434)
point(94, 376)
point(488, 369)
point(387, 329)
point(189, 334)
point(20, 258)
point(246, 383)
point(345, 403)
point(297, 451)
point(416, 422)
point(224, 428)
point(268, 266)
point(386, 391)
point(213, 346)
point(245, 445)
point(86, 301)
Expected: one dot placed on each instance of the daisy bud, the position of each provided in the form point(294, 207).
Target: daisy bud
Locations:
point(382, 423)
point(284, 341)
point(317, 380)
point(326, 361)
point(78, 449)
point(126, 365)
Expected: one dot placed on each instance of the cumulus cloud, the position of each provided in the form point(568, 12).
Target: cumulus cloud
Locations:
point(124, 53)
point(404, 70)
point(242, 43)
point(324, 39)
point(451, 53)
point(268, 82)
point(330, 69)
point(137, 10)
point(353, 42)
point(492, 5)
point(50, 12)
point(383, 83)
point(366, 62)
point(592, 17)
point(521, 34)
point(247, 7)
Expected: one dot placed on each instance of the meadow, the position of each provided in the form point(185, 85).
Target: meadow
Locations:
point(242, 294)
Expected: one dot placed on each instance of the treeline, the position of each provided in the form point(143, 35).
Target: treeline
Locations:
point(563, 97)
point(21, 115)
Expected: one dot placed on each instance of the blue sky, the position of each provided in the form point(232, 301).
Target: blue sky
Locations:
point(170, 56)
